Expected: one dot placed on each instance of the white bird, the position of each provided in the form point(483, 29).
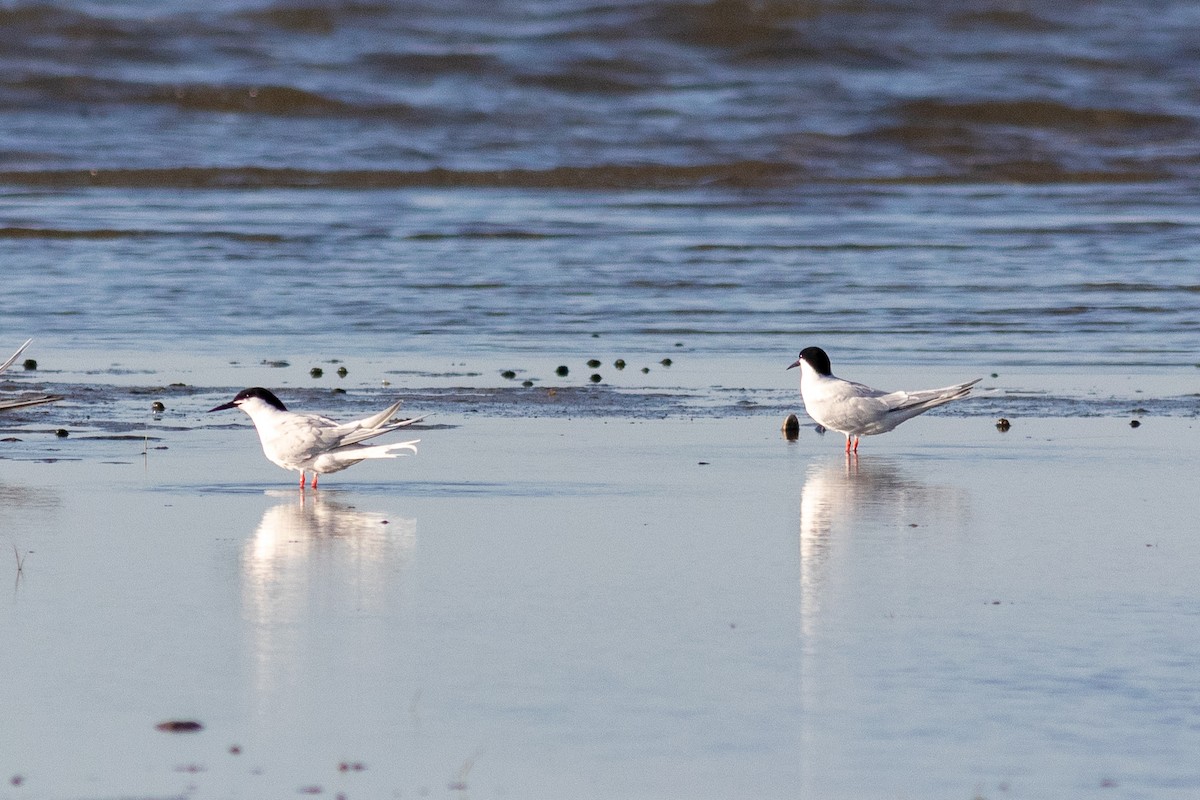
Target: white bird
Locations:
point(301, 442)
point(28, 400)
point(857, 410)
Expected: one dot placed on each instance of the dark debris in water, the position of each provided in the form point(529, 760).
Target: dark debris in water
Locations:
point(179, 726)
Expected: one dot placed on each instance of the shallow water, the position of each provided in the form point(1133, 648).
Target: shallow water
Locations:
point(612, 607)
point(1022, 622)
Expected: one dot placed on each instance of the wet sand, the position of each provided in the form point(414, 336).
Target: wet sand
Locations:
point(591, 603)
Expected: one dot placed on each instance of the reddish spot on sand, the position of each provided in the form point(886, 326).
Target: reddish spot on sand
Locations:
point(179, 726)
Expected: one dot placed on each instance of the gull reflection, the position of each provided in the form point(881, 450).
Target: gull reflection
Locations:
point(313, 557)
point(841, 501)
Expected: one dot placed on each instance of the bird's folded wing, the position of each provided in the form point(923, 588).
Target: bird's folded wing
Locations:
point(303, 436)
point(380, 418)
point(855, 389)
point(927, 398)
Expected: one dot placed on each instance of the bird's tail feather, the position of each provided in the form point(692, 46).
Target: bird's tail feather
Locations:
point(375, 451)
point(404, 423)
point(379, 428)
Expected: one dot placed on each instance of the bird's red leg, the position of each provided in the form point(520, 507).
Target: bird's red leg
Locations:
point(847, 444)
point(314, 484)
point(855, 444)
point(301, 479)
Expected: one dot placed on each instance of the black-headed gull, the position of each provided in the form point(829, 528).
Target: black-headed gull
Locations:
point(310, 442)
point(857, 410)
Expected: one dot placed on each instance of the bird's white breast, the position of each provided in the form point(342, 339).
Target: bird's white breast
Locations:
point(288, 439)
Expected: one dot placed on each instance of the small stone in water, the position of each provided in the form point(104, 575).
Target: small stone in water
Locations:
point(619, 363)
point(561, 371)
point(316, 372)
point(342, 372)
point(157, 407)
point(1003, 425)
point(666, 362)
point(61, 433)
point(509, 374)
point(595, 378)
point(30, 364)
point(593, 362)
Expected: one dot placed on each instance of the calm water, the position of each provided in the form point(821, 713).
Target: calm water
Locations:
point(980, 184)
point(609, 608)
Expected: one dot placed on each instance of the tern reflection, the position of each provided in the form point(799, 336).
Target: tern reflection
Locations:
point(314, 560)
point(842, 501)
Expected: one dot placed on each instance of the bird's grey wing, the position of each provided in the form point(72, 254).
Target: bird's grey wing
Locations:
point(865, 414)
point(304, 436)
point(927, 398)
point(15, 356)
point(379, 419)
point(862, 390)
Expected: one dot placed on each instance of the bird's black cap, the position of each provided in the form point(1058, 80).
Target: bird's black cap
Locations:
point(816, 358)
point(266, 395)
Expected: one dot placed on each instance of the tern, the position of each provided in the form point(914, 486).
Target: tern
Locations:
point(28, 400)
point(857, 410)
point(310, 442)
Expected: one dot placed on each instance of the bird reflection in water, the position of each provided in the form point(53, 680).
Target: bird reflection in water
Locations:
point(844, 501)
point(312, 561)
